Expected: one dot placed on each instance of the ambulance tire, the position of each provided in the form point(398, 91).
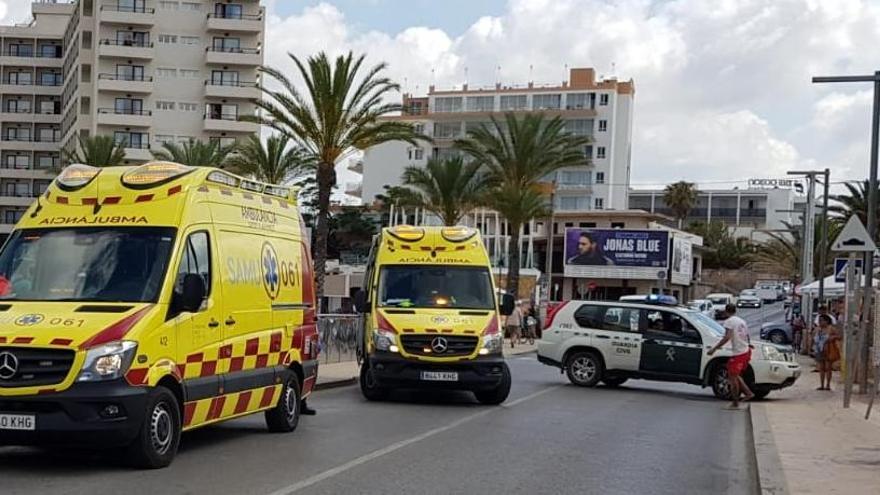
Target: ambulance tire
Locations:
point(372, 391)
point(498, 394)
point(159, 437)
point(284, 417)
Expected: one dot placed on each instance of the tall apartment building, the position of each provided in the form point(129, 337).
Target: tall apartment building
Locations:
point(143, 71)
point(601, 110)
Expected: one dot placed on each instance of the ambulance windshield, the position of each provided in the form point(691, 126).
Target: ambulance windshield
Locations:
point(123, 264)
point(430, 286)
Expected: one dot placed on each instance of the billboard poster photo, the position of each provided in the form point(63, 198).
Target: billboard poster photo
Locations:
point(616, 248)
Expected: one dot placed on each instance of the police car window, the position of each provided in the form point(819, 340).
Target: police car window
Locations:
point(196, 258)
point(621, 319)
point(668, 325)
point(590, 316)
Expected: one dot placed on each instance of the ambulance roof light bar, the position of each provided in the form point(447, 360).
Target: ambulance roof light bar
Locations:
point(407, 233)
point(76, 176)
point(458, 233)
point(153, 174)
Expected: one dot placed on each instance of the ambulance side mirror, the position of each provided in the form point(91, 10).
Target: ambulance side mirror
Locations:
point(361, 305)
point(507, 304)
point(193, 294)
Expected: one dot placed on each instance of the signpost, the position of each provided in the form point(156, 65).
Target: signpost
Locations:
point(840, 265)
point(853, 239)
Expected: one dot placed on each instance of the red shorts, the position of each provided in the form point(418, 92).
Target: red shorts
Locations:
point(737, 364)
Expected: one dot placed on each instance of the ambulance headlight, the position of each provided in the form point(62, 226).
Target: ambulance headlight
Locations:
point(492, 344)
point(772, 353)
point(384, 340)
point(108, 361)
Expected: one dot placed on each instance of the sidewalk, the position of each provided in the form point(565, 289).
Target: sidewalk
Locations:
point(806, 442)
point(340, 374)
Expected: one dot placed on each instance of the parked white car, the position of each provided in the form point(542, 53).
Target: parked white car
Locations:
point(611, 342)
point(703, 306)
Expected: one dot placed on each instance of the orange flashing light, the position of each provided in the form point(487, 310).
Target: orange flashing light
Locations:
point(407, 233)
point(457, 234)
point(154, 173)
point(76, 176)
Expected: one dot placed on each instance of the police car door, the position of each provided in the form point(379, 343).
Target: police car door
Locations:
point(670, 345)
point(614, 333)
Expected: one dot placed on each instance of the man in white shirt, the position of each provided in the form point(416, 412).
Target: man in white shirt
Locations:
point(736, 331)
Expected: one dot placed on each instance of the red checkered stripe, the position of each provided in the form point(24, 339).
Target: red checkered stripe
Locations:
point(202, 412)
point(44, 341)
point(246, 353)
point(62, 199)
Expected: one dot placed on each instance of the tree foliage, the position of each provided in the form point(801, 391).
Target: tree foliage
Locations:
point(195, 153)
point(680, 197)
point(274, 161)
point(723, 249)
point(96, 151)
point(448, 188)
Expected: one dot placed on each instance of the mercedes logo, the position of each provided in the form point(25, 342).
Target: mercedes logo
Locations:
point(8, 365)
point(438, 345)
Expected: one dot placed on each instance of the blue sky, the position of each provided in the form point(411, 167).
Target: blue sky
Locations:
point(452, 16)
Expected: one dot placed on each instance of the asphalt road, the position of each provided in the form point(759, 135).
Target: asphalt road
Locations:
point(755, 317)
point(549, 437)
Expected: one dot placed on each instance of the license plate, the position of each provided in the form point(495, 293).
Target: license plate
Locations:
point(18, 422)
point(440, 376)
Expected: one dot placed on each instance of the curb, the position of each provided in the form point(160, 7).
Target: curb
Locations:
point(344, 382)
point(771, 477)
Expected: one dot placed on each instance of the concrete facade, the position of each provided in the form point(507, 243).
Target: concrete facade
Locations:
point(143, 71)
point(600, 109)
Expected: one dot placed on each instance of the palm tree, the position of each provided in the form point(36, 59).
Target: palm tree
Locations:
point(448, 188)
point(517, 154)
point(680, 197)
point(97, 151)
point(195, 153)
point(782, 252)
point(723, 249)
point(855, 202)
point(274, 162)
point(340, 113)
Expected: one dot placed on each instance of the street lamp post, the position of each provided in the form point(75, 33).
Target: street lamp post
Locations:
point(872, 207)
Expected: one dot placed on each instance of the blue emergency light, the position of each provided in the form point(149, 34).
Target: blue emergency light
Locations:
point(661, 299)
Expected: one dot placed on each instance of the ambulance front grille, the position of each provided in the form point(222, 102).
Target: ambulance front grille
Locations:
point(32, 367)
point(423, 344)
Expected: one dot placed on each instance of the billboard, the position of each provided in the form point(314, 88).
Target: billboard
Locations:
point(681, 267)
point(615, 253)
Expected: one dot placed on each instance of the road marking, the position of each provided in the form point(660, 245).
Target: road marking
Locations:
point(401, 444)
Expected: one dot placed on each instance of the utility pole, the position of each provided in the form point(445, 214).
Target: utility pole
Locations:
point(867, 307)
point(809, 241)
point(823, 249)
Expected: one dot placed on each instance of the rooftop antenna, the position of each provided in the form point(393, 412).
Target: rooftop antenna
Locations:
point(497, 74)
point(531, 68)
point(613, 70)
point(465, 75)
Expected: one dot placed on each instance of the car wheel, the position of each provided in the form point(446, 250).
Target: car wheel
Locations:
point(159, 436)
point(584, 368)
point(498, 394)
point(778, 337)
point(369, 387)
point(614, 381)
point(720, 381)
point(284, 417)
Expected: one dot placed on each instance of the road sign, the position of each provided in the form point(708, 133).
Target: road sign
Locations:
point(840, 268)
point(854, 238)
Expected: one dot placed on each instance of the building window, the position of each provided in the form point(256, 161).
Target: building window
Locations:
point(20, 50)
point(600, 203)
point(13, 216)
point(167, 38)
point(46, 161)
point(579, 127)
point(617, 225)
point(165, 72)
point(189, 74)
point(447, 130)
point(230, 45)
point(164, 138)
point(224, 77)
point(222, 111)
point(194, 6)
point(603, 125)
point(546, 102)
point(132, 139)
point(600, 177)
point(133, 38)
point(419, 128)
point(480, 103)
point(190, 40)
point(164, 105)
point(600, 152)
point(416, 153)
point(447, 104)
point(188, 107)
point(129, 106)
point(574, 177)
point(131, 72)
point(17, 161)
point(603, 99)
point(573, 203)
point(514, 102)
point(577, 101)
point(587, 225)
point(166, 5)
point(228, 11)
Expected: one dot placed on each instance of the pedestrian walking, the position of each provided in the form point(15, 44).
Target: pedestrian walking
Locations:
point(531, 324)
point(797, 332)
point(514, 324)
point(826, 349)
point(736, 331)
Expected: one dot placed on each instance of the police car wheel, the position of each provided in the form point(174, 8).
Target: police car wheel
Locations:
point(720, 381)
point(498, 394)
point(584, 369)
point(159, 436)
point(284, 417)
point(372, 391)
point(614, 381)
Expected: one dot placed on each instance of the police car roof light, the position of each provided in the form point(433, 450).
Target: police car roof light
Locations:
point(661, 299)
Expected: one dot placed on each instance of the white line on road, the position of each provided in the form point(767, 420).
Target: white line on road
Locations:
point(399, 445)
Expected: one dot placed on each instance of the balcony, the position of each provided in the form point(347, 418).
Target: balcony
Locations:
point(575, 186)
point(357, 166)
point(355, 189)
point(126, 49)
point(125, 84)
point(29, 144)
point(138, 153)
point(234, 56)
point(10, 198)
point(29, 116)
point(232, 89)
point(25, 172)
point(228, 123)
point(34, 60)
point(124, 118)
point(233, 22)
point(30, 88)
point(127, 14)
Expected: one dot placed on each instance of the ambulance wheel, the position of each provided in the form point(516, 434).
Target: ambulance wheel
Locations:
point(498, 394)
point(720, 381)
point(284, 417)
point(584, 368)
point(372, 391)
point(614, 381)
point(159, 436)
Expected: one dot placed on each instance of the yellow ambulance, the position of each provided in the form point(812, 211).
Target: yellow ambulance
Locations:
point(432, 319)
point(140, 302)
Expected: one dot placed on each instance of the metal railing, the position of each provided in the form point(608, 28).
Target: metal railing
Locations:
point(124, 111)
point(128, 43)
point(233, 49)
point(236, 17)
point(124, 77)
point(339, 334)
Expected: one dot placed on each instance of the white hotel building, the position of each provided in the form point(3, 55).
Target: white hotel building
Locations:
point(143, 71)
point(599, 109)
